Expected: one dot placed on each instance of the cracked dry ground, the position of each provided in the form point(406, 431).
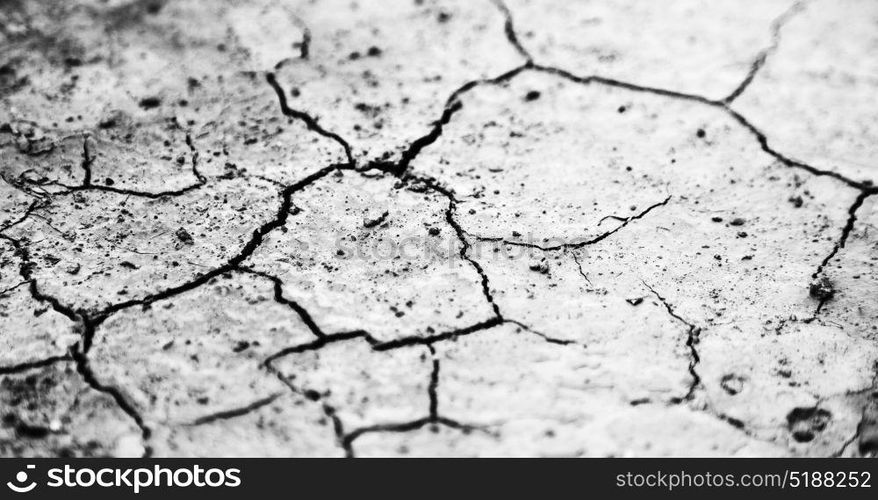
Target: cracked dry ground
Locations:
point(459, 228)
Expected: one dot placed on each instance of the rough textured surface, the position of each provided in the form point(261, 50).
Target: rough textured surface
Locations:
point(690, 46)
point(52, 412)
point(362, 253)
point(438, 228)
point(380, 72)
point(812, 109)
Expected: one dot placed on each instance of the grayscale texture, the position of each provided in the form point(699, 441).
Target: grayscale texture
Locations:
point(438, 228)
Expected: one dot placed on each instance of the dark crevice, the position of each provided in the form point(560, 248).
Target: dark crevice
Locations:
point(317, 344)
point(865, 186)
point(328, 410)
point(237, 412)
point(130, 192)
point(279, 297)
point(378, 345)
point(464, 251)
point(509, 28)
point(84, 369)
point(198, 175)
point(451, 334)
point(30, 365)
point(87, 185)
point(433, 387)
point(776, 27)
point(692, 338)
point(452, 106)
point(22, 185)
point(580, 244)
point(25, 271)
point(821, 287)
point(845, 232)
point(309, 121)
point(579, 268)
point(87, 160)
point(547, 338)
point(33, 207)
point(305, 44)
point(405, 427)
point(13, 287)
point(338, 428)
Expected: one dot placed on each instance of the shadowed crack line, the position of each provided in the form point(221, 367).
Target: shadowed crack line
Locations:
point(326, 408)
point(692, 336)
point(84, 369)
point(433, 419)
point(509, 28)
point(87, 184)
point(378, 345)
point(279, 297)
point(452, 106)
point(579, 268)
point(236, 412)
point(839, 244)
point(464, 250)
point(580, 244)
point(760, 137)
point(25, 269)
point(30, 365)
point(22, 185)
point(404, 427)
point(776, 27)
point(13, 287)
point(845, 232)
point(87, 160)
point(33, 207)
point(309, 121)
point(433, 387)
point(547, 338)
point(408, 341)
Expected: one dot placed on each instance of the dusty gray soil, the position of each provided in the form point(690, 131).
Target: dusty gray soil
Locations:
point(458, 227)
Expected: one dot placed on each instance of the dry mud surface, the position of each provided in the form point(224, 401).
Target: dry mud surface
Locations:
point(408, 228)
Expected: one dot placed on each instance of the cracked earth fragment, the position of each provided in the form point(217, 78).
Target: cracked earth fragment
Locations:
point(31, 330)
point(639, 351)
point(853, 271)
point(362, 386)
point(51, 412)
point(187, 363)
point(379, 73)
point(363, 252)
point(687, 46)
point(527, 174)
point(800, 389)
point(559, 408)
point(820, 112)
point(97, 249)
